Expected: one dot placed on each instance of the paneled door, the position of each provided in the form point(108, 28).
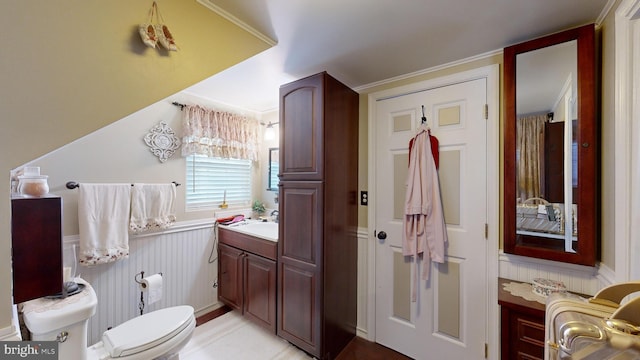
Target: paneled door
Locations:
point(449, 318)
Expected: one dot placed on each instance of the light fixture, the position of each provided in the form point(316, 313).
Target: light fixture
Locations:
point(270, 132)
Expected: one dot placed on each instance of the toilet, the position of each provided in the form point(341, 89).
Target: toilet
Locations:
point(159, 334)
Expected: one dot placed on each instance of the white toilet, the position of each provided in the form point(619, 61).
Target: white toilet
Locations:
point(160, 334)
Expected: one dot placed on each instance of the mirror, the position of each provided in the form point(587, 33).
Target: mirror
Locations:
point(551, 149)
point(274, 167)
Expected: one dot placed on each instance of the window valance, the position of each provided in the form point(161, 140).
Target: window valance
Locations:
point(219, 134)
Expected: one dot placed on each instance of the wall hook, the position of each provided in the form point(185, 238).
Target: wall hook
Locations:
point(424, 118)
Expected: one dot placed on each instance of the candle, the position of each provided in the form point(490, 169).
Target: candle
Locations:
point(224, 199)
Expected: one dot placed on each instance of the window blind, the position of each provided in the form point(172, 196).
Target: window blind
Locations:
point(209, 178)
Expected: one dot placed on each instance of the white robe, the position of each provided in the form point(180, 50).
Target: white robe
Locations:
point(424, 227)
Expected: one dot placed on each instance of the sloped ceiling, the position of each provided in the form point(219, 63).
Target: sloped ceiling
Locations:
point(362, 42)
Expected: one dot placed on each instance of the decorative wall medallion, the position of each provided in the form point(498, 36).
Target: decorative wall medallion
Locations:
point(162, 141)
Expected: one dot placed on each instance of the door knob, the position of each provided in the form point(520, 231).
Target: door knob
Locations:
point(382, 235)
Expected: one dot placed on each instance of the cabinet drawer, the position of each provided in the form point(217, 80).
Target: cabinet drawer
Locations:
point(254, 245)
point(529, 335)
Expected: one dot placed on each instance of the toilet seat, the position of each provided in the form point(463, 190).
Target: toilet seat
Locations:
point(148, 331)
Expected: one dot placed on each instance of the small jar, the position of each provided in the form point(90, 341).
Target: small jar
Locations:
point(35, 185)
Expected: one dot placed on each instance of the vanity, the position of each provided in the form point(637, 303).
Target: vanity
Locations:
point(247, 271)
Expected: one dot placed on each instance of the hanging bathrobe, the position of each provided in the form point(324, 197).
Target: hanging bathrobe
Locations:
point(435, 151)
point(424, 232)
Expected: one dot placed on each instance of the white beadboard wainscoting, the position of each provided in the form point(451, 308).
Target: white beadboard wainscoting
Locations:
point(363, 282)
point(577, 278)
point(181, 254)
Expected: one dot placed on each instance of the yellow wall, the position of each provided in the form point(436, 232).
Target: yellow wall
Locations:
point(69, 67)
point(607, 139)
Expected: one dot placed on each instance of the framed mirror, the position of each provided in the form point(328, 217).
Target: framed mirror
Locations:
point(551, 148)
point(274, 167)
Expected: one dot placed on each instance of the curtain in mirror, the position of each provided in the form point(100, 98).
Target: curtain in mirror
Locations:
point(529, 156)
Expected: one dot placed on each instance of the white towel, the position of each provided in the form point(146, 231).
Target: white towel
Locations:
point(152, 207)
point(103, 216)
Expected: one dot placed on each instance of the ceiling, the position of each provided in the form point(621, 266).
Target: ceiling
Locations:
point(363, 42)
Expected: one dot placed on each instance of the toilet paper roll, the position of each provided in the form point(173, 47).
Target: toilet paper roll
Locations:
point(152, 285)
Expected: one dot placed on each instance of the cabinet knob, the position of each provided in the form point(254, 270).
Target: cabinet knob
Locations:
point(382, 235)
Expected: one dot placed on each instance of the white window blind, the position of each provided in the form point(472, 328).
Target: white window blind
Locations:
point(209, 178)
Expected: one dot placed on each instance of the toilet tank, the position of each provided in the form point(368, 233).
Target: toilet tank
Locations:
point(65, 320)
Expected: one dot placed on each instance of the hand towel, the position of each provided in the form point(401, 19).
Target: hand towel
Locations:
point(152, 207)
point(103, 218)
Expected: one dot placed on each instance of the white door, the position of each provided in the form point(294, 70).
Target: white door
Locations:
point(449, 318)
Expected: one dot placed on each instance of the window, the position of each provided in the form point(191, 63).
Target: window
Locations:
point(212, 180)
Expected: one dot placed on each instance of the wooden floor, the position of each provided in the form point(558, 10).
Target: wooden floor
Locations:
point(361, 349)
point(357, 349)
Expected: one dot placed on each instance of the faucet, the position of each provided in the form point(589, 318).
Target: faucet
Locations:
point(275, 214)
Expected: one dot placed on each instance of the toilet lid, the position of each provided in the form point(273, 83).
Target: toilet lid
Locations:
point(146, 331)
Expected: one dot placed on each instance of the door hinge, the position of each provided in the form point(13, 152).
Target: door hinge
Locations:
point(486, 350)
point(486, 111)
point(486, 231)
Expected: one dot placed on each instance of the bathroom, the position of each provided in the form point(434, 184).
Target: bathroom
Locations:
point(96, 125)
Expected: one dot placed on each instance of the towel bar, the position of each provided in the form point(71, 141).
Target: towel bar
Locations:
point(74, 185)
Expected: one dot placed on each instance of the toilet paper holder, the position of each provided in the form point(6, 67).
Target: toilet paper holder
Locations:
point(141, 274)
point(142, 285)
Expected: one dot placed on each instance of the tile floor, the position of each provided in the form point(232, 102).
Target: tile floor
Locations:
point(232, 337)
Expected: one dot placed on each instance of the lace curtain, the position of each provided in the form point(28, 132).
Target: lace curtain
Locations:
point(219, 134)
point(530, 148)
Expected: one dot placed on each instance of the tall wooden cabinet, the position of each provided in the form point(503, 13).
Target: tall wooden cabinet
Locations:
point(36, 247)
point(317, 249)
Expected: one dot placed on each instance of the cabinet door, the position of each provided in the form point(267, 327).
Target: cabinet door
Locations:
point(260, 290)
point(300, 265)
point(301, 222)
point(230, 276)
point(301, 123)
point(36, 227)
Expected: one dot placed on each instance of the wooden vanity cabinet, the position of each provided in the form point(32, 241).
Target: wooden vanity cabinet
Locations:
point(247, 276)
point(317, 246)
point(522, 326)
point(36, 247)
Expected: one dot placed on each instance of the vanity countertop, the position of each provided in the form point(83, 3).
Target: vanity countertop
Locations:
point(505, 298)
point(267, 230)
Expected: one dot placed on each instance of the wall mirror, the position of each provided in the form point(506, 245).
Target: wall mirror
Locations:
point(551, 148)
point(274, 167)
